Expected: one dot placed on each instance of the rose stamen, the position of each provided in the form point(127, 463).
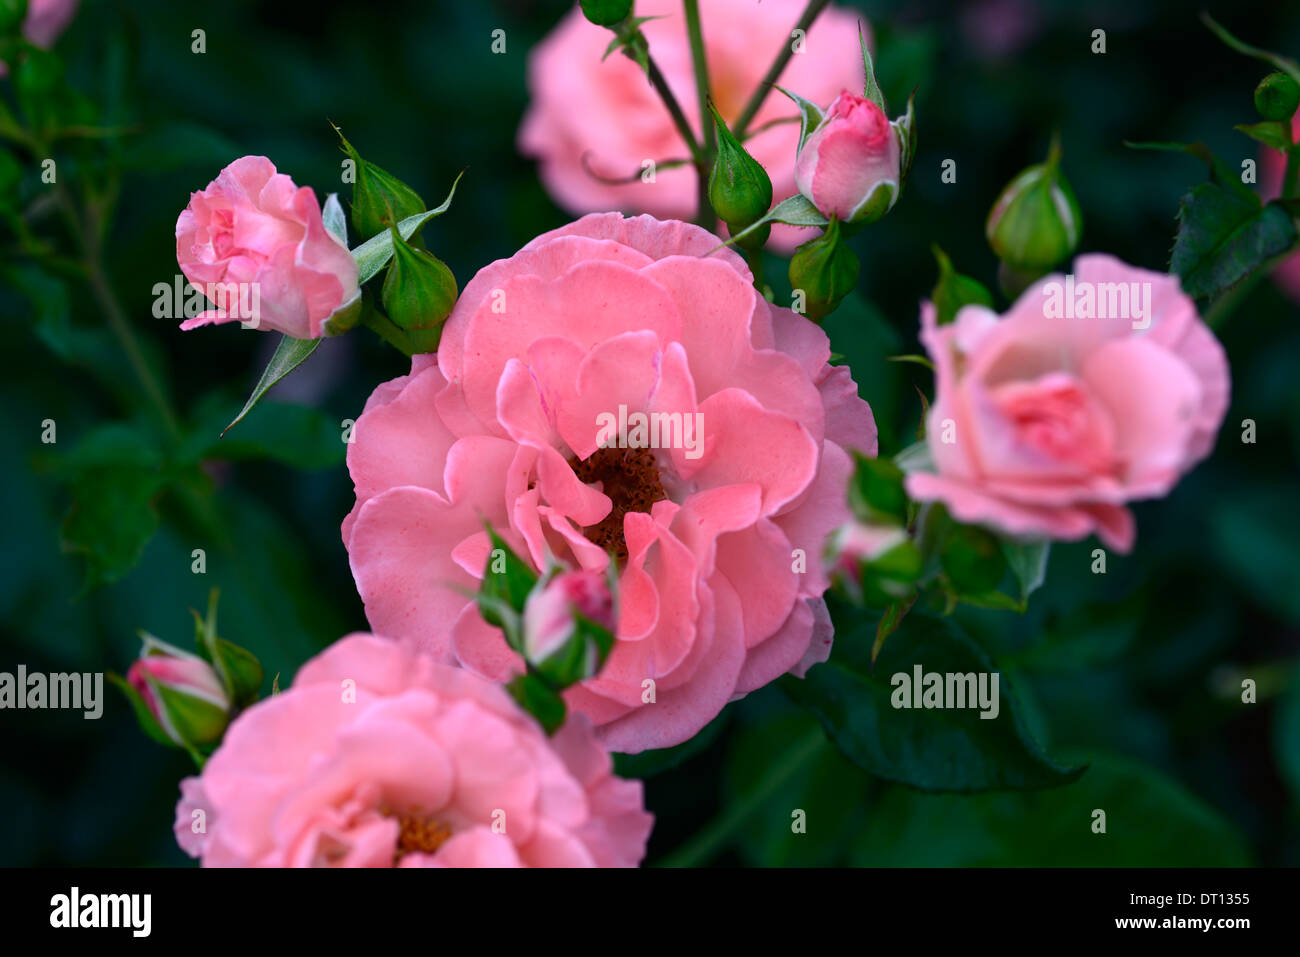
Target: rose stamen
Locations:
point(631, 480)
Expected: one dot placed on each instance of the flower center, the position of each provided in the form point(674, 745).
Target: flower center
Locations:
point(630, 479)
point(419, 834)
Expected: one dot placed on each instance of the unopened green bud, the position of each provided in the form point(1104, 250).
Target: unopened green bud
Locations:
point(419, 293)
point(1035, 223)
point(740, 190)
point(822, 272)
point(378, 197)
point(606, 13)
point(953, 290)
point(1277, 97)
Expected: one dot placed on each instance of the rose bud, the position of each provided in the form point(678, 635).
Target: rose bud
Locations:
point(606, 13)
point(256, 245)
point(850, 166)
point(419, 292)
point(1036, 222)
point(740, 191)
point(824, 270)
point(378, 197)
point(1277, 97)
point(568, 625)
point(182, 693)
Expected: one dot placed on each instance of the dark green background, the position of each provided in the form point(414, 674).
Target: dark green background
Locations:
point(1135, 670)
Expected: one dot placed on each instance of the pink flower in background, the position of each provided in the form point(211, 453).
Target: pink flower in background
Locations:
point(850, 166)
point(998, 29)
point(608, 111)
point(46, 19)
point(1044, 425)
point(719, 532)
point(259, 240)
point(1272, 165)
point(380, 757)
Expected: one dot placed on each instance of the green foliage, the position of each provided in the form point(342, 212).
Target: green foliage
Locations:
point(931, 749)
point(1222, 238)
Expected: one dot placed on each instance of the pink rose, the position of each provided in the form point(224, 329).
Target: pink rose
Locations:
point(1045, 423)
point(519, 422)
point(549, 611)
point(258, 248)
point(850, 165)
point(608, 112)
point(380, 757)
point(1272, 165)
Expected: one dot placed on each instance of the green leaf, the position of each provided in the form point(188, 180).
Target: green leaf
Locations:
point(810, 114)
point(374, 253)
point(905, 128)
point(890, 619)
point(1028, 562)
point(938, 749)
point(53, 319)
point(1151, 821)
point(1222, 239)
point(243, 670)
point(876, 492)
point(782, 772)
point(508, 588)
point(1270, 133)
point(296, 435)
point(539, 699)
point(914, 359)
point(953, 290)
point(872, 88)
point(795, 211)
point(115, 474)
point(289, 354)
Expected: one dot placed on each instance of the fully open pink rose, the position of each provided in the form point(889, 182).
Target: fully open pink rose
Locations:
point(1044, 424)
point(379, 757)
point(850, 165)
point(718, 532)
point(1272, 165)
point(608, 112)
point(252, 238)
